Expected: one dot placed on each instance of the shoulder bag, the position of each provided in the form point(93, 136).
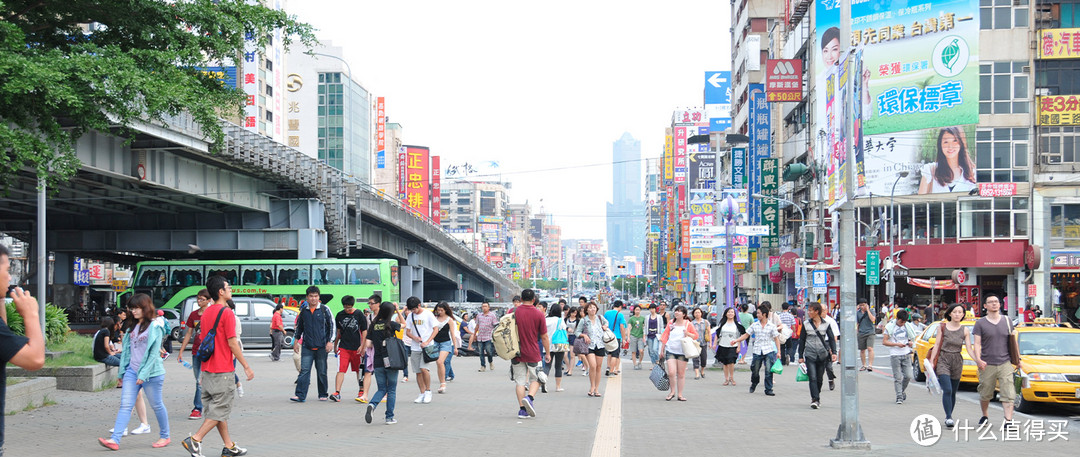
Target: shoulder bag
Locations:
point(611, 344)
point(930, 356)
point(395, 351)
point(691, 348)
point(1014, 350)
point(823, 342)
point(206, 347)
point(431, 352)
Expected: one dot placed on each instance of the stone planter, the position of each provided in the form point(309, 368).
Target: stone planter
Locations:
point(87, 378)
point(31, 391)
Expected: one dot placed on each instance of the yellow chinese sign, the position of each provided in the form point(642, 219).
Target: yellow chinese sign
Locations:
point(1059, 110)
point(1059, 43)
point(669, 162)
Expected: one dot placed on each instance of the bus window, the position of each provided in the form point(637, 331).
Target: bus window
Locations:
point(151, 276)
point(186, 276)
point(257, 275)
point(226, 271)
point(364, 274)
point(294, 275)
point(329, 274)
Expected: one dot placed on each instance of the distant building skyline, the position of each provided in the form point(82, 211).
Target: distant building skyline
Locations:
point(626, 211)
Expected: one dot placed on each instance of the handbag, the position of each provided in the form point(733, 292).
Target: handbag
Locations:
point(777, 367)
point(691, 348)
point(429, 353)
point(580, 346)
point(611, 344)
point(1014, 350)
point(395, 353)
point(659, 378)
point(940, 335)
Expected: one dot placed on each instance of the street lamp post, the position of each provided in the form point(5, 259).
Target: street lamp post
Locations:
point(728, 211)
point(892, 268)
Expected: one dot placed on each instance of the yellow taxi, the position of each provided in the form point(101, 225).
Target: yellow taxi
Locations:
point(1049, 365)
point(925, 343)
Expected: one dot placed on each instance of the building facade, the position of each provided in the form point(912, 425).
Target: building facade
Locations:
point(625, 213)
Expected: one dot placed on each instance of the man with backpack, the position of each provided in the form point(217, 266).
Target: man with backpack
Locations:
point(216, 351)
point(313, 338)
point(619, 328)
point(531, 327)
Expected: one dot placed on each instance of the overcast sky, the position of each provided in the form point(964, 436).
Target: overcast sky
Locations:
point(544, 89)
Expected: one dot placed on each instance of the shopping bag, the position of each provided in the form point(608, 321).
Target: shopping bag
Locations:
point(932, 383)
point(659, 378)
point(777, 367)
point(801, 375)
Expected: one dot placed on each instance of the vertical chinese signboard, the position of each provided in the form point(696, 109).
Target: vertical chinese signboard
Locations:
point(436, 191)
point(770, 209)
point(738, 168)
point(873, 267)
point(417, 171)
point(250, 83)
point(680, 155)
point(760, 148)
point(380, 133)
point(403, 177)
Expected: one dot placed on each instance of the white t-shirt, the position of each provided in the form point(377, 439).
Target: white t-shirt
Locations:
point(958, 184)
point(421, 325)
point(899, 334)
point(832, 324)
point(674, 342)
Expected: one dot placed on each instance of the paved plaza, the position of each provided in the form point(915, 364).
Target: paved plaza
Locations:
point(477, 416)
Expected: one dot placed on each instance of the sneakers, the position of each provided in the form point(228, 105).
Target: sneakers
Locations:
point(419, 399)
point(815, 405)
point(770, 393)
point(194, 447)
point(1010, 425)
point(142, 430)
point(125, 431)
point(335, 397)
point(903, 396)
point(899, 401)
point(235, 450)
point(522, 414)
point(195, 415)
point(949, 423)
point(482, 369)
point(367, 414)
point(391, 421)
point(528, 407)
point(984, 423)
point(427, 397)
point(405, 379)
point(607, 372)
point(832, 385)
point(239, 393)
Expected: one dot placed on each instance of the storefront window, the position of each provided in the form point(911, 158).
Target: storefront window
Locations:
point(922, 220)
point(1065, 225)
point(949, 220)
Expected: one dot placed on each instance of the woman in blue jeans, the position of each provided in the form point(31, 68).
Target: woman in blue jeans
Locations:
point(141, 368)
point(446, 338)
point(382, 327)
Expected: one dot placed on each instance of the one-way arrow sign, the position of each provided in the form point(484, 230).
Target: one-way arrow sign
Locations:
point(716, 79)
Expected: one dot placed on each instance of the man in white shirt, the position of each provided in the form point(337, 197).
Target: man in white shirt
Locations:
point(898, 338)
point(419, 324)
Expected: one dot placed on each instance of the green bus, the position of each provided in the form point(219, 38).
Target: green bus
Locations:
point(171, 282)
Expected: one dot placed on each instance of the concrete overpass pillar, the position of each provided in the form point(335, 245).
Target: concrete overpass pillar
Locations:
point(412, 277)
point(64, 291)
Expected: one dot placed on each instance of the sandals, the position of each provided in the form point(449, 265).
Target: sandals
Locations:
point(442, 388)
point(682, 399)
point(670, 397)
point(727, 383)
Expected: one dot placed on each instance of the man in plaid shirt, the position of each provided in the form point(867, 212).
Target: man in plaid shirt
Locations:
point(787, 350)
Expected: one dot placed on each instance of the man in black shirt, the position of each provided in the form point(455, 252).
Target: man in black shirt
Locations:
point(27, 351)
point(351, 326)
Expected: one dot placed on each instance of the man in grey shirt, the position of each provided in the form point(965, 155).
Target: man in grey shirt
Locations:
point(865, 318)
point(992, 333)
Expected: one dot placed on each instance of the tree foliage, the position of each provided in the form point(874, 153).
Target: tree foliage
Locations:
point(139, 63)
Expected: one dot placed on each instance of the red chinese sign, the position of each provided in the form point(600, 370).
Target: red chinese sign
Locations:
point(1059, 44)
point(997, 189)
point(436, 191)
point(380, 124)
point(784, 80)
point(417, 177)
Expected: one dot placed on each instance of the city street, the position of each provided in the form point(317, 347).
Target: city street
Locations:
point(477, 416)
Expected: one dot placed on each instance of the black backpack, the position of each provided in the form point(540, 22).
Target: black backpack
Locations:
point(206, 348)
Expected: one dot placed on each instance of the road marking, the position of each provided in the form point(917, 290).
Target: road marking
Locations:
point(608, 438)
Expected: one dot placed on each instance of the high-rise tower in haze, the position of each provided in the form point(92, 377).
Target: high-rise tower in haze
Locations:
point(626, 211)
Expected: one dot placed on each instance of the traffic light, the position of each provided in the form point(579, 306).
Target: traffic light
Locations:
point(795, 171)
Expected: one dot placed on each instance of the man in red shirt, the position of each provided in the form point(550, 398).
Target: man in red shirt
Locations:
point(532, 327)
point(218, 386)
point(192, 324)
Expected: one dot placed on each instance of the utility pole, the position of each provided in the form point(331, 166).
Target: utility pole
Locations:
point(849, 435)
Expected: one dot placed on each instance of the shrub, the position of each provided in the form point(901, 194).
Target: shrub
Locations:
point(56, 323)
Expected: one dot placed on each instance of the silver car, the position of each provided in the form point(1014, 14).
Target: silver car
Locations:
point(255, 315)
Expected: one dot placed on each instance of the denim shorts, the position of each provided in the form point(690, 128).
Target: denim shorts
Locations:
point(445, 346)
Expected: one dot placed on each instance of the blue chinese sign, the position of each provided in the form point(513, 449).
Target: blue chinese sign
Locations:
point(760, 148)
point(738, 168)
point(718, 100)
point(227, 75)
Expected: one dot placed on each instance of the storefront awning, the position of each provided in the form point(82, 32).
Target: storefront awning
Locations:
point(940, 284)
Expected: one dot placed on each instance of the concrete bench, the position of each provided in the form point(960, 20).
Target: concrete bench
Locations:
point(87, 378)
point(29, 392)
